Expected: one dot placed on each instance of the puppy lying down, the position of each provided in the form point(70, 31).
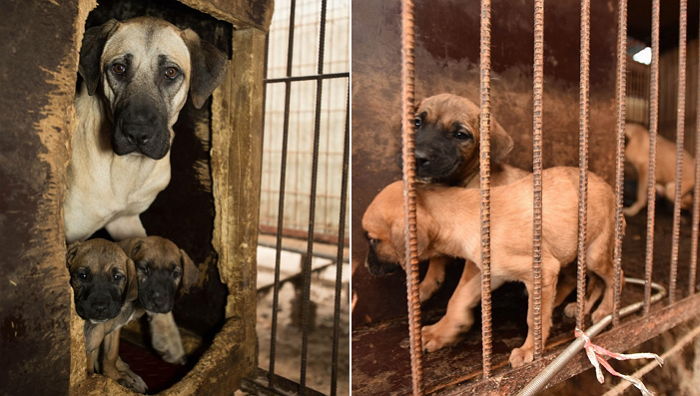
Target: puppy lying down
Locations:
point(449, 224)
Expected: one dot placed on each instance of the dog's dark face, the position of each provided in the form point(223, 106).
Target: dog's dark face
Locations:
point(447, 140)
point(384, 229)
point(161, 270)
point(144, 69)
point(102, 277)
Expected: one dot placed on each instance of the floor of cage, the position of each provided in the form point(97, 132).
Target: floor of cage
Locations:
point(380, 351)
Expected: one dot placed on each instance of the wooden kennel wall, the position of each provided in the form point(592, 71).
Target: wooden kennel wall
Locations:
point(41, 337)
point(451, 39)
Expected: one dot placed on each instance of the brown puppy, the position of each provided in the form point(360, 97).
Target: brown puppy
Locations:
point(162, 270)
point(450, 225)
point(637, 153)
point(447, 152)
point(104, 287)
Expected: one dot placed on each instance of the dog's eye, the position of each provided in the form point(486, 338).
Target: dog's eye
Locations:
point(117, 276)
point(171, 73)
point(418, 122)
point(83, 275)
point(176, 273)
point(118, 69)
point(462, 135)
point(374, 242)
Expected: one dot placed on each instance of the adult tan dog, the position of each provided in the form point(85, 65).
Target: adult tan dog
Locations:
point(637, 153)
point(162, 270)
point(136, 78)
point(447, 152)
point(450, 225)
point(105, 290)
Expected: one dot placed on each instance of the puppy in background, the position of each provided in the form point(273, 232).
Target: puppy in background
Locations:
point(162, 270)
point(450, 225)
point(104, 286)
point(447, 152)
point(637, 153)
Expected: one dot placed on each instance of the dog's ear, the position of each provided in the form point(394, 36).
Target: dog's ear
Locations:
point(72, 252)
point(132, 283)
point(91, 51)
point(131, 246)
point(190, 273)
point(208, 67)
point(501, 142)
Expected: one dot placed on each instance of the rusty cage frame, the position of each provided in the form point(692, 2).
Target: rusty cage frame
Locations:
point(679, 308)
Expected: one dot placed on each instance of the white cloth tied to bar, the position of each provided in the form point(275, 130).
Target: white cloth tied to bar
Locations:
point(596, 355)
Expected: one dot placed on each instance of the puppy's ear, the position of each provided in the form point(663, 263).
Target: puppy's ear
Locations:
point(501, 142)
point(190, 273)
point(71, 253)
point(131, 246)
point(91, 51)
point(208, 67)
point(132, 283)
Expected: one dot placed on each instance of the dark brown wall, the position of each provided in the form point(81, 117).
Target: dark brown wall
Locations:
point(37, 44)
point(447, 56)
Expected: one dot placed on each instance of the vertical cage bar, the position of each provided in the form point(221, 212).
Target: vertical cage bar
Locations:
point(341, 247)
point(306, 270)
point(696, 193)
point(680, 135)
point(583, 159)
point(280, 206)
point(620, 158)
point(537, 90)
point(409, 165)
point(653, 130)
point(485, 183)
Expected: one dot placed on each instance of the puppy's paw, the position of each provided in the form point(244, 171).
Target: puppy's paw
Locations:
point(129, 379)
point(427, 289)
point(438, 336)
point(520, 356)
point(631, 211)
point(570, 310)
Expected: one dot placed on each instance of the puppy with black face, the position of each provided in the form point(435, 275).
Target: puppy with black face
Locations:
point(104, 285)
point(162, 271)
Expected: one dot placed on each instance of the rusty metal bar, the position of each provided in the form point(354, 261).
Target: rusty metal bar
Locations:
point(280, 207)
point(696, 199)
point(306, 269)
point(680, 135)
point(308, 78)
point(341, 245)
point(653, 130)
point(485, 182)
point(538, 86)
point(583, 159)
point(409, 173)
point(619, 168)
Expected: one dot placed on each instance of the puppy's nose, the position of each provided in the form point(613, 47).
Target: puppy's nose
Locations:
point(138, 134)
point(100, 305)
point(422, 158)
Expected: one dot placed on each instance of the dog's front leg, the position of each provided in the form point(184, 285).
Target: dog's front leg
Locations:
point(114, 368)
point(524, 354)
point(459, 317)
point(125, 227)
point(433, 278)
point(165, 337)
point(641, 201)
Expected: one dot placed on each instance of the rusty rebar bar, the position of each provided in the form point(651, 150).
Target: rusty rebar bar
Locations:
point(537, 91)
point(653, 130)
point(485, 181)
point(680, 136)
point(584, 84)
point(409, 173)
point(696, 198)
point(620, 154)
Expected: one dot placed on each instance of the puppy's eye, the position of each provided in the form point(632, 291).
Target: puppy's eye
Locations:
point(462, 135)
point(171, 73)
point(117, 276)
point(374, 242)
point(83, 275)
point(118, 69)
point(176, 273)
point(418, 122)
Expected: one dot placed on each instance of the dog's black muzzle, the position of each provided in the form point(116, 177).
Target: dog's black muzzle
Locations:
point(99, 302)
point(377, 267)
point(141, 126)
point(157, 292)
point(437, 156)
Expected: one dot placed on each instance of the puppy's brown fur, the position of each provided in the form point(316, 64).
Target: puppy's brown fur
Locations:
point(450, 225)
point(101, 258)
point(637, 153)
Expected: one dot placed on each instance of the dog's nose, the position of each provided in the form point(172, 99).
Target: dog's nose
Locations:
point(138, 134)
point(100, 305)
point(422, 159)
